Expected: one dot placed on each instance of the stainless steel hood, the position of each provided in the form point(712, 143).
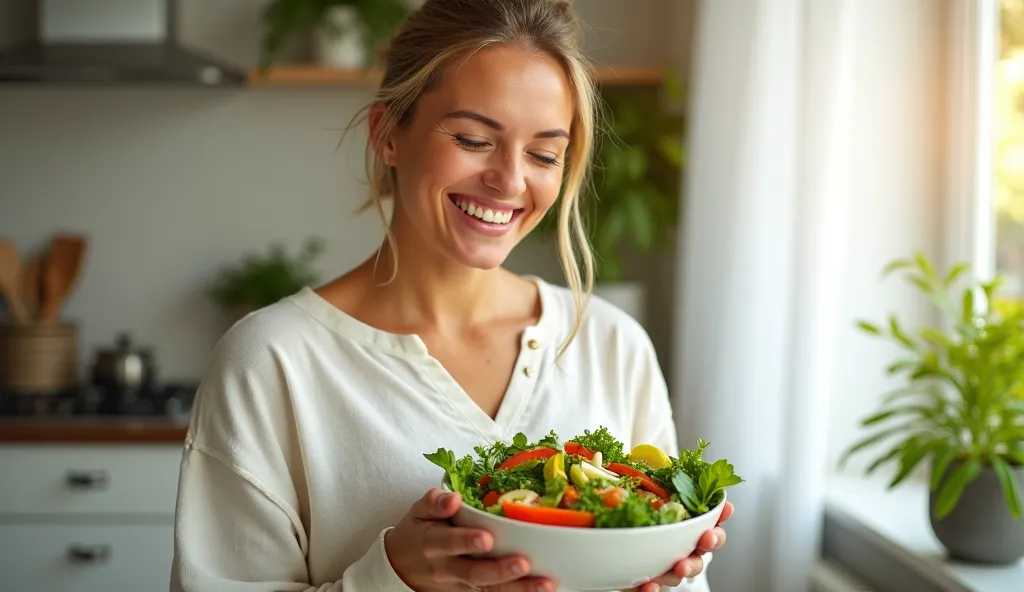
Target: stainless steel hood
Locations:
point(111, 41)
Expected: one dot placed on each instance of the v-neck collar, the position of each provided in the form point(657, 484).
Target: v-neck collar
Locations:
point(537, 347)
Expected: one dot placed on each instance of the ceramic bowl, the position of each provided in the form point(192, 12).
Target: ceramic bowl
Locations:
point(589, 559)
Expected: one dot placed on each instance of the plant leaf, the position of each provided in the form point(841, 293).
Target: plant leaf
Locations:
point(949, 495)
point(1008, 481)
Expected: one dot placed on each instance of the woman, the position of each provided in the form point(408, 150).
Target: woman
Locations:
point(303, 468)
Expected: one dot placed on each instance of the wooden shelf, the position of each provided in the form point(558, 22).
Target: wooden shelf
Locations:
point(314, 75)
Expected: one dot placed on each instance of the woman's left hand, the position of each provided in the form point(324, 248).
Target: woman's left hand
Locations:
point(690, 567)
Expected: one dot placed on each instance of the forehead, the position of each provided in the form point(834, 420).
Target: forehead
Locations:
point(518, 88)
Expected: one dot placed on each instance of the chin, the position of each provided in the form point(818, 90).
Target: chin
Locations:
point(484, 259)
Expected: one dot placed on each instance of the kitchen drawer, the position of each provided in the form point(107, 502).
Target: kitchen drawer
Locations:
point(116, 479)
point(53, 557)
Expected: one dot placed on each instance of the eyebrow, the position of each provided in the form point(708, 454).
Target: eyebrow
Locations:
point(491, 123)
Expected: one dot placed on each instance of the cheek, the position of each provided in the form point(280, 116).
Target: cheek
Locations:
point(545, 190)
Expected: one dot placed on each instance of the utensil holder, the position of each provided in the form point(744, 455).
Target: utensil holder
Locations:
point(38, 358)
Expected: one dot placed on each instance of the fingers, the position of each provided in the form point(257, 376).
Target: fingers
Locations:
point(726, 513)
point(689, 567)
point(711, 540)
point(436, 504)
point(441, 540)
point(482, 572)
point(525, 585)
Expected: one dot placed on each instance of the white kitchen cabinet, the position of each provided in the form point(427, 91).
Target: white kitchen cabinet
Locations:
point(77, 518)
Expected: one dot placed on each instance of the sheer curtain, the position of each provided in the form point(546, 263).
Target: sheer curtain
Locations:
point(759, 283)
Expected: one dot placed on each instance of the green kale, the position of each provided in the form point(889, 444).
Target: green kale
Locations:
point(518, 478)
point(602, 441)
point(690, 462)
point(460, 472)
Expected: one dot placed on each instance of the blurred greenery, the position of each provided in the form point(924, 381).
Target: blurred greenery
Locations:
point(261, 279)
point(285, 19)
point(634, 198)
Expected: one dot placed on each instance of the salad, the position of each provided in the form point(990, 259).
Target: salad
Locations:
point(589, 481)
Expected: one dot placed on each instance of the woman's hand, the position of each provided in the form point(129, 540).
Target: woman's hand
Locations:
point(429, 554)
point(690, 567)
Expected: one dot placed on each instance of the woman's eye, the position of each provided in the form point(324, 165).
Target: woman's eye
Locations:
point(470, 144)
point(546, 160)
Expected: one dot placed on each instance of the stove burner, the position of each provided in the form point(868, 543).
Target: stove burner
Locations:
point(171, 400)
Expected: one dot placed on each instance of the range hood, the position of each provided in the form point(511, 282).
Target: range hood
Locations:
point(110, 41)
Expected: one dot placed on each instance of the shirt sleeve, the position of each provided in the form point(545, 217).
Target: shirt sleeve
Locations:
point(231, 535)
point(240, 498)
point(655, 424)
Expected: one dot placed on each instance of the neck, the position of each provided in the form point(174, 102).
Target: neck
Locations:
point(430, 290)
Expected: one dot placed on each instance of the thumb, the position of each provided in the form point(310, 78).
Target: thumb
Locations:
point(436, 504)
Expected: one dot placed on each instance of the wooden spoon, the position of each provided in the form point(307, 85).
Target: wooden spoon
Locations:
point(60, 274)
point(10, 280)
point(30, 286)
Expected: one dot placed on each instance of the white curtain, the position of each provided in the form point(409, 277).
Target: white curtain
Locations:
point(758, 278)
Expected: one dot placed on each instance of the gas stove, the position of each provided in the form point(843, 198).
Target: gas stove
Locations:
point(171, 400)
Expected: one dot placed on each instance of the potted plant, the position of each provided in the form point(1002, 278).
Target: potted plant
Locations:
point(346, 33)
point(633, 201)
point(961, 407)
point(259, 280)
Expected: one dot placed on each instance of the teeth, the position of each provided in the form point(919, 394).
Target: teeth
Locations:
point(485, 214)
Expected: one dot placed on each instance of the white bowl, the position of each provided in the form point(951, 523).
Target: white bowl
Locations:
point(592, 558)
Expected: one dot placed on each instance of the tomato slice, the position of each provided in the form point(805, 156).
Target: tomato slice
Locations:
point(645, 481)
point(612, 497)
point(548, 516)
point(490, 499)
point(570, 497)
point(521, 457)
point(574, 448)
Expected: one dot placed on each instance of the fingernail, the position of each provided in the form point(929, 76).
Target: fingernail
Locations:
point(686, 570)
point(518, 569)
point(478, 542)
point(443, 501)
point(542, 588)
point(714, 541)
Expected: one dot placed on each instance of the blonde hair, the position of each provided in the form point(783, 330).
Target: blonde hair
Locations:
point(441, 30)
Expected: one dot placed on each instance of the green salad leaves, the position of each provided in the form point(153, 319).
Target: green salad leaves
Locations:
point(587, 481)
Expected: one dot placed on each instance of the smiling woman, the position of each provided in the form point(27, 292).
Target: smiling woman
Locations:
point(301, 469)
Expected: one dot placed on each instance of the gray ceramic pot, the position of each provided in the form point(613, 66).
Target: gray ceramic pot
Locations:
point(980, 529)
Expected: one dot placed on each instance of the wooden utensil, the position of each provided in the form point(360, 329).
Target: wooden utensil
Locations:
point(10, 280)
point(30, 288)
point(60, 273)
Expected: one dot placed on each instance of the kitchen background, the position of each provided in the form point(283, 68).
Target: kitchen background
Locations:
point(170, 183)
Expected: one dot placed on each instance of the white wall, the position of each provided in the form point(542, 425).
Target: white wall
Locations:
point(172, 183)
point(897, 197)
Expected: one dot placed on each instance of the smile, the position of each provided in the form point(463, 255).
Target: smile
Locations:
point(490, 215)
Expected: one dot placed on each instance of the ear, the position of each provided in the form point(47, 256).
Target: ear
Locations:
point(383, 145)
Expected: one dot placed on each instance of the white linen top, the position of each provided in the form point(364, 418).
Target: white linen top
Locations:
point(307, 436)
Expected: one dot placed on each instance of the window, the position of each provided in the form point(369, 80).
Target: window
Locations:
point(1008, 130)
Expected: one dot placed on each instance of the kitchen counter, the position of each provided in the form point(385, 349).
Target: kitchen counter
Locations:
point(95, 430)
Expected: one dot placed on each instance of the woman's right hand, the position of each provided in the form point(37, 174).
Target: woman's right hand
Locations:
point(429, 554)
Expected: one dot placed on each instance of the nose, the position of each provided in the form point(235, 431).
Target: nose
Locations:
point(505, 175)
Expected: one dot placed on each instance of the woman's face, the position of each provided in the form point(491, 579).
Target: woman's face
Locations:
point(482, 159)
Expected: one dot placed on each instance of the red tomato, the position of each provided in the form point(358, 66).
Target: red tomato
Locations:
point(574, 448)
point(645, 481)
point(535, 454)
point(549, 516)
point(490, 499)
point(570, 497)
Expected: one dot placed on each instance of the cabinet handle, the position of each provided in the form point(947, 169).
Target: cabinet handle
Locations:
point(89, 554)
point(87, 479)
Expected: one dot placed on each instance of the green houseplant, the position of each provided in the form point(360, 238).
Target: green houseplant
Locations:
point(261, 279)
point(374, 21)
point(961, 407)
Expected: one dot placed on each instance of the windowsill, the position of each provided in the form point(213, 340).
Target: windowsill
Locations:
point(884, 538)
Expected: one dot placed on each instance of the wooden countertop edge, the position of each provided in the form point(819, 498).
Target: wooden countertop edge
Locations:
point(112, 430)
